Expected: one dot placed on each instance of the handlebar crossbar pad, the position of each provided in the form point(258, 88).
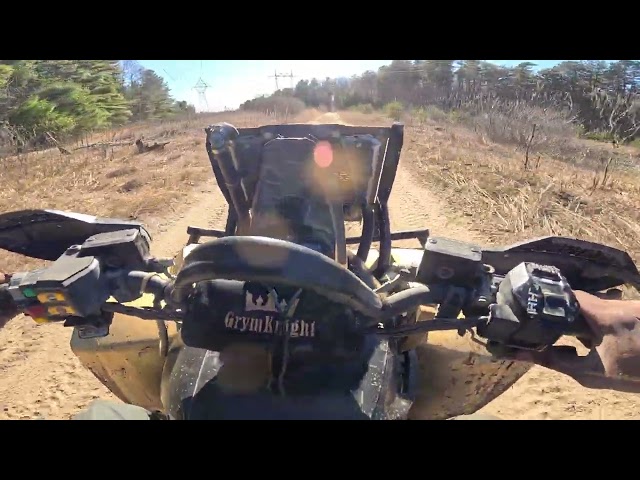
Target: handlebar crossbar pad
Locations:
point(278, 262)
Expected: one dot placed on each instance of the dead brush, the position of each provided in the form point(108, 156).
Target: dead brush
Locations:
point(487, 182)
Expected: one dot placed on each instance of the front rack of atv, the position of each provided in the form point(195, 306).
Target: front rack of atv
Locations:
point(196, 233)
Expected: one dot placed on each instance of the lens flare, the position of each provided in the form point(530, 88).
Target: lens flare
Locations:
point(323, 154)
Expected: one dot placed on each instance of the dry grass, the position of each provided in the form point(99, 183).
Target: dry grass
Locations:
point(359, 118)
point(116, 181)
point(489, 183)
point(307, 116)
point(556, 195)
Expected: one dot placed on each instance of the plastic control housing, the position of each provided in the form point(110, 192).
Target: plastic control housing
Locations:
point(450, 261)
point(534, 307)
point(80, 272)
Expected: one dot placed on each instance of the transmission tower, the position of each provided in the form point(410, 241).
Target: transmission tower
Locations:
point(291, 76)
point(201, 87)
point(277, 75)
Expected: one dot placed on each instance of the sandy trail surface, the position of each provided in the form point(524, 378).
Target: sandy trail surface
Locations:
point(41, 378)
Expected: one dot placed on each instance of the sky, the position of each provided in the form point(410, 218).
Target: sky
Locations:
point(231, 82)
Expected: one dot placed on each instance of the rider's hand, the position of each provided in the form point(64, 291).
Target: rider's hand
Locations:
point(8, 308)
point(615, 362)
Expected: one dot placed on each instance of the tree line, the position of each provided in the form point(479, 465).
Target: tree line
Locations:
point(596, 95)
point(65, 98)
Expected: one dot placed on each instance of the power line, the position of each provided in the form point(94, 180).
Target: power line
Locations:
point(168, 74)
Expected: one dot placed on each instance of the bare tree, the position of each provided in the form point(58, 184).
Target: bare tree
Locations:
point(622, 113)
point(131, 71)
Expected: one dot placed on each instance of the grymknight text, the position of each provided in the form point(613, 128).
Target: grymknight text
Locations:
point(267, 325)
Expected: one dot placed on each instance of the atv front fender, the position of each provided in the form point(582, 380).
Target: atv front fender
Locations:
point(128, 361)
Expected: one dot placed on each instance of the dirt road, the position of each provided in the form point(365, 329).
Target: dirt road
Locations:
point(40, 377)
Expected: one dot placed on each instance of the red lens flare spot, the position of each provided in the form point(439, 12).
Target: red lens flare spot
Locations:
point(323, 154)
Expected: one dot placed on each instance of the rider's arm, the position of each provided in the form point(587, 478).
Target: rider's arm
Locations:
point(615, 362)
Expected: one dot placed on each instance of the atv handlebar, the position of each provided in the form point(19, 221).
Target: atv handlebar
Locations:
point(148, 283)
point(530, 307)
point(165, 290)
